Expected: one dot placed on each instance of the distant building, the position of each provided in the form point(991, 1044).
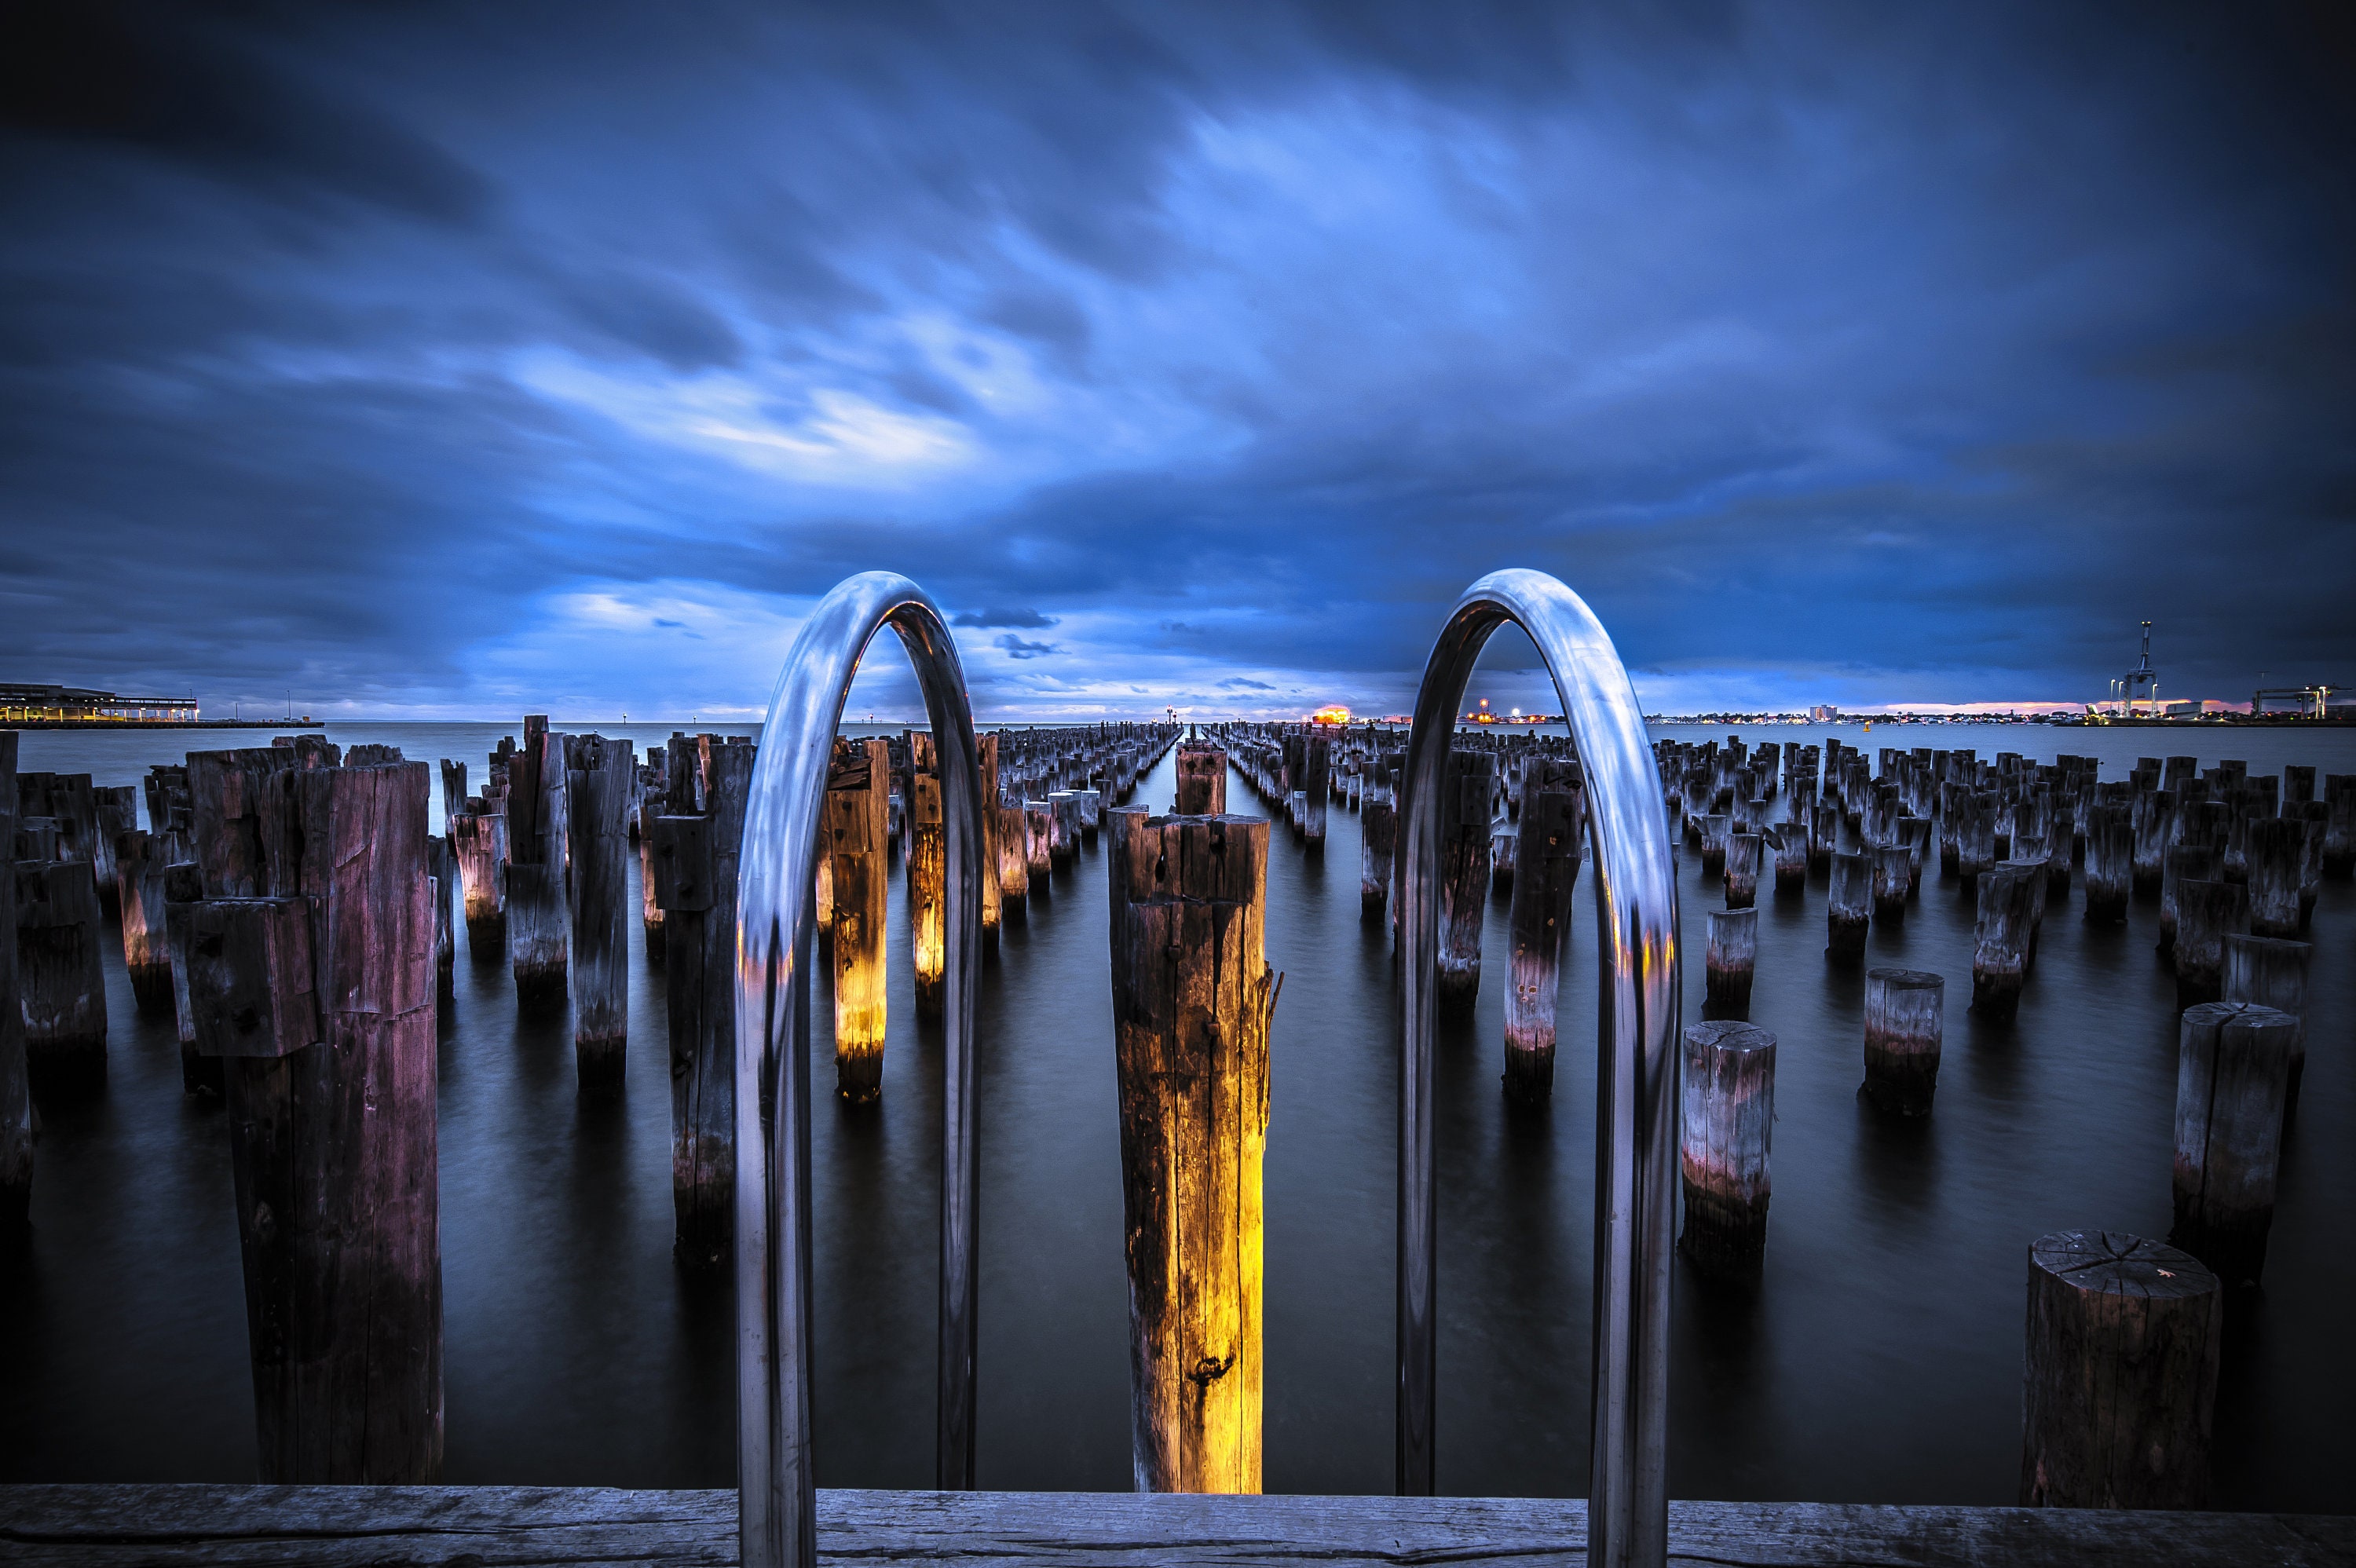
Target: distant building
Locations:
point(21, 704)
point(1824, 713)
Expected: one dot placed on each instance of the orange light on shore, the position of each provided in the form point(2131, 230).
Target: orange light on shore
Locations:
point(1333, 713)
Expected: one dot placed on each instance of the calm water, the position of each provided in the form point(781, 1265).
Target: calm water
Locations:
point(1878, 1360)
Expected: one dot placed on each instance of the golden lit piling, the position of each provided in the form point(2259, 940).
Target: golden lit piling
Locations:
point(311, 974)
point(2121, 1374)
point(927, 894)
point(857, 846)
point(1192, 997)
point(140, 859)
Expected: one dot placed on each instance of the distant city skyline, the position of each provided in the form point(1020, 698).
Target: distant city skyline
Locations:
point(430, 362)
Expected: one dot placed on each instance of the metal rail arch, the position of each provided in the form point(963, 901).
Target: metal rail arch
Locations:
point(1636, 1059)
point(775, 933)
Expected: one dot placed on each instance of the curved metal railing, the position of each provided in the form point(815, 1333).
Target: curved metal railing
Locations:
point(776, 935)
point(1637, 1061)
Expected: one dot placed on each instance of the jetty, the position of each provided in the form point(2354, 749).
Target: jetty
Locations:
point(287, 908)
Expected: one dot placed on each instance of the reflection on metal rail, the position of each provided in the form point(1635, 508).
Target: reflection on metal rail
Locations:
point(1636, 1060)
point(774, 944)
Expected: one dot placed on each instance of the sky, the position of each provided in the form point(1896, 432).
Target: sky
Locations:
point(457, 360)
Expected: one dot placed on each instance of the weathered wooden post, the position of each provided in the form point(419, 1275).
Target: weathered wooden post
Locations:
point(696, 856)
point(856, 787)
point(1465, 793)
point(2000, 940)
point(538, 911)
point(15, 1089)
point(1317, 787)
point(2273, 848)
point(1039, 828)
point(478, 845)
point(2232, 1084)
point(928, 873)
point(1716, 829)
point(1014, 858)
point(1732, 954)
point(2272, 973)
point(1192, 997)
point(1905, 1022)
point(992, 896)
point(1893, 878)
point(1975, 848)
point(1847, 906)
point(2121, 1373)
point(184, 889)
point(311, 973)
point(600, 778)
point(2155, 813)
point(2207, 913)
point(1552, 836)
point(1727, 1124)
point(1742, 876)
point(140, 859)
point(1378, 836)
point(61, 976)
point(1790, 842)
point(438, 868)
point(2110, 864)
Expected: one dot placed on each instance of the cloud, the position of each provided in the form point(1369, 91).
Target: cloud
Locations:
point(1241, 683)
point(1018, 649)
point(1030, 619)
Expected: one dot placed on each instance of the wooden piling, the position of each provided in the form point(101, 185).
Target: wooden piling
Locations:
point(439, 866)
point(1732, 954)
point(2273, 848)
point(479, 846)
point(1893, 878)
point(60, 977)
point(1552, 832)
point(2006, 913)
point(992, 894)
point(1192, 997)
point(2273, 973)
point(600, 779)
point(2207, 913)
point(696, 855)
point(140, 859)
point(2121, 1373)
point(1466, 787)
point(15, 1089)
point(1716, 829)
point(1741, 873)
point(927, 891)
point(539, 913)
point(311, 973)
point(2110, 864)
point(1014, 859)
point(856, 834)
point(1904, 1023)
point(1726, 1125)
point(2231, 1087)
point(1378, 837)
point(1847, 906)
point(1790, 843)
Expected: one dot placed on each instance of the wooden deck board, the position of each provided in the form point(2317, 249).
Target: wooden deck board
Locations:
point(494, 1527)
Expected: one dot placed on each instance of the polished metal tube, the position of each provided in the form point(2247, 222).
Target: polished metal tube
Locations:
point(1637, 1061)
point(775, 931)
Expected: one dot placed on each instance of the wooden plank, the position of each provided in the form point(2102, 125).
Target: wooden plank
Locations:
point(224, 1527)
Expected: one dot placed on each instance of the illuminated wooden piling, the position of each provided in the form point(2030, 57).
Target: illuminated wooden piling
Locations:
point(311, 973)
point(992, 893)
point(1192, 997)
point(2207, 913)
point(1731, 955)
point(15, 1089)
point(2001, 937)
point(2120, 1380)
point(696, 854)
point(1039, 829)
point(140, 860)
point(539, 914)
point(1725, 1128)
point(2272, 972)
point(1552, 833)
point(601, 778)
point(1904, 1025)
point(2232, 1088)
point(1466, 788)
point(478, 845)
point(927, 891)
point(114, 810)
point(856, 845)
point(1847, 906)
point(1014, 859)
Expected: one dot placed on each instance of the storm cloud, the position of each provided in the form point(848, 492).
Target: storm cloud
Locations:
point(445, 359)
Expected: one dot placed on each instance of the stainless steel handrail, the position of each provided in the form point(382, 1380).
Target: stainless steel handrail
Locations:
point(1636, 1060)
point(776, 934)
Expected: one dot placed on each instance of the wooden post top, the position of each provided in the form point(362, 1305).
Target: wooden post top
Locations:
point(2113, 1263)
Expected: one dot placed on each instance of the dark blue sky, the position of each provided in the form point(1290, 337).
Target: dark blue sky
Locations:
point(466, 359)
